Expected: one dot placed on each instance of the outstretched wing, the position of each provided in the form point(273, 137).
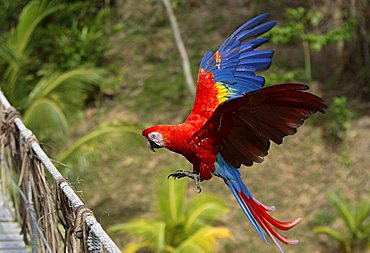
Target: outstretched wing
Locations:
point(230, 72)
point(241, 128)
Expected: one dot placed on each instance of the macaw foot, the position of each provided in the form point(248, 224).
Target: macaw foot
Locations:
point(192, 175)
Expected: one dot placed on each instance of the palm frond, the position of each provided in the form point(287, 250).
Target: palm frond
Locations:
point(204, 239)
point(45, 118)
point(340, 237)
point(96, 135)
point(343, 210)
point(74, 83)
point(7, 54)
point(190, 246)
point(355, 237)
point(152, 232)
point(32, 14)
point(203, 210)
point(363, 213)
point(171, 235)
point(170, 197)
point(134, 247)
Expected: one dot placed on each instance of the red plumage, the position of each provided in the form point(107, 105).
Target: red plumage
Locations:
point(241, 128)
point(233, 120)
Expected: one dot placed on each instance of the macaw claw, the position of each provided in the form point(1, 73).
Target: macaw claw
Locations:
point(182, 173)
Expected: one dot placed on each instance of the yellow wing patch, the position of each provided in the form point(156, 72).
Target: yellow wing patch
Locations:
point(221, 92)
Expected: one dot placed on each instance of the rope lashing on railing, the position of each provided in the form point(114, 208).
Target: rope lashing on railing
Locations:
point(81, 227)
point(93, 243)
point(28, 205)
point(35, 209)
point(79, 236)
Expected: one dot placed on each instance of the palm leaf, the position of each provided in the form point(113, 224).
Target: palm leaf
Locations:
point(47, 120)
point(7, 54)
point(95, 135)
point(75, 82)
point(203, 209)
point(205, 239)
point(343, 211)
point(340, 237)
point(171, 236)
point(363, 213)
point(32, 14)
point(170, 197)
point(152, 232)
point(134, 247)
point(190, 246)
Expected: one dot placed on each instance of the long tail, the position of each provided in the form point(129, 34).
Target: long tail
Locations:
point(253, 209)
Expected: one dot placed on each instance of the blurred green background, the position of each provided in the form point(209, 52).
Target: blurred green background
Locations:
point(87, 76)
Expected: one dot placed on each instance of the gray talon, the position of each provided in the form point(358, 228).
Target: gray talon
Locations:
point(182, 173)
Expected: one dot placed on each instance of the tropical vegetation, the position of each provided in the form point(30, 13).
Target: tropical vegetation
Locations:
point(88, 75)
point(181, 225)
point(354, 236)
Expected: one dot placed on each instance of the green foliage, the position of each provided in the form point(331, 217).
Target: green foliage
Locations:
point(7, 54)
point(50, 69)
point(8, 11)
point(343, 33)
point(346, 158)
point(50, 95)
point(304, 26)
point(55, 101)
point(46, 118)
point(30, 17)
point(278, 76)
point(181, 226)
point(323, 217)
point(83, 40)
point(81, 152)
point(32, 14)
point(356, 237)
point(340, 117)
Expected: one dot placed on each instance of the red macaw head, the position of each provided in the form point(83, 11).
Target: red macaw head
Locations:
point(155, 136)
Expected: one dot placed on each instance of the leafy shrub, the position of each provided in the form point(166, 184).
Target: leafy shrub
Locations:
point(278, 76)
point(340, 117)
point(51, 96)
point(180, 226)
point(356, 236)
point(303, 26)
point(77, 36)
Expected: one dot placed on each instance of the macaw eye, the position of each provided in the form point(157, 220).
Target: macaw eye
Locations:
point(156, 137)
point(152, 135)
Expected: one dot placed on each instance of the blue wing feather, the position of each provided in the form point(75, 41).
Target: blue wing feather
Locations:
point(207, 60)
point(257, 54)
point(240, 60)
point(257, 63)
point(251, 23)
point(256, 31)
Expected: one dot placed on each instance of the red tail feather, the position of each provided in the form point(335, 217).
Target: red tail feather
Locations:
point(265, 221)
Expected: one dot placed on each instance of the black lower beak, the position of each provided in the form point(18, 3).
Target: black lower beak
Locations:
point(153, 145)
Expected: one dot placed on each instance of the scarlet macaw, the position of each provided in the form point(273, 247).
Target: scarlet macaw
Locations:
point(234, 119)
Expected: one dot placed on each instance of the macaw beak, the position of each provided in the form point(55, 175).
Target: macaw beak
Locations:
point(152, 145)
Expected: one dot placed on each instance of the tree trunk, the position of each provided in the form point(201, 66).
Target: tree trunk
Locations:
point(180, 46)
